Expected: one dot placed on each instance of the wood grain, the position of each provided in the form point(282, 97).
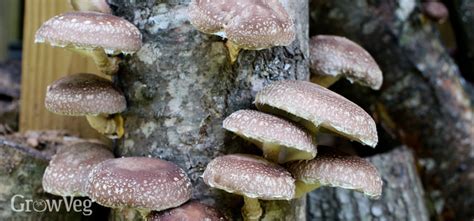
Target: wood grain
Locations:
point(42, 64)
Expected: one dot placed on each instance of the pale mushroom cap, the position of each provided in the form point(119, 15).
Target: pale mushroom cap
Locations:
point(139, 182)
point(250, 176)
point(91, 30)
point(435, 10)
point(67, 172)
point(334, 169)
point(91, 5)
point(338, 56)
point(249, 24)
point(320, 107)
point(266, 128)
point(84, 94)
point(191, 211)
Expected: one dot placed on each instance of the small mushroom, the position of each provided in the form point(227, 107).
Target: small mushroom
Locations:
point(93, 34)
point(191, 211)
point(91, 96)
point(67, 172)
point(91, 5)
point(336, 169)
point(332, 57)
point(247, 24)
point(435, 11)
point(139, 182)
point(280, 140)
point(316, 107)
point(252, 177)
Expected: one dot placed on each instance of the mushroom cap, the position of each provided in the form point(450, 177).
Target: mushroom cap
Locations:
point(435, 10)
point(338, 56)
point(67, 172)
point(249, 24)
point(91, 5)
point(262, 128)
point(318, 107)
point(139, 182)
point(250, 176)
point(191, 211)
point(84, 94)
point(91, 30)
point(336, 169)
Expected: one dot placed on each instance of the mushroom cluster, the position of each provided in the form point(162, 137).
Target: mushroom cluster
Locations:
point(94, 32)
point(291, 115)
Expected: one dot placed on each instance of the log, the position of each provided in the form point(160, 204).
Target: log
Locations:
point(422, 100)
point(402, 195)
point(181, 85)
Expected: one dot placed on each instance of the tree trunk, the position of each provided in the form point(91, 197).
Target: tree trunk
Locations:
point(422, 100)
point(181, 85)
point(402, 196)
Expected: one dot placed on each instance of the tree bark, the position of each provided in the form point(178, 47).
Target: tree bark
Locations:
point(181, 85)
point(402, 196)
point(422, 100)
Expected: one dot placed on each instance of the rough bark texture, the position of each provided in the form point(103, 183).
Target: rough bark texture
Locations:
point(9, 96)
point(181, 85)
point(402, 198)
point(422, 100)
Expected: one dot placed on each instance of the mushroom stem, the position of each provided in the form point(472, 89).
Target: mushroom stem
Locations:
point(251, 210)
point(302, 188)
point(324, 80)
point(109, 125)
point(233, 51)
point(107, 65)
point(271, 152)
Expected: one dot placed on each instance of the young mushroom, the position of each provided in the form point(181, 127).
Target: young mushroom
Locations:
point(280, 140)
point(93, 34)
point(335, 169)
point(91, 5)
point(190, 211)
point(91, 96)
point(247, 24)
point(435, 11)
point(332, 57)
point(316, 107)
point(252, 177)
point(68, 170)
point(139, 182)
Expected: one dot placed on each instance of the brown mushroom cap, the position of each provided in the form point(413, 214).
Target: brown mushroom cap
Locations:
point(335, 169)
point(316, 107)
point(191, 211)
point(435, 10)
point(91, 30)
point(84, 94)
point(266, 130)
point(338, 56)
point(250, 176)
point(139, 182)
point(68, 170)
point(250, 24)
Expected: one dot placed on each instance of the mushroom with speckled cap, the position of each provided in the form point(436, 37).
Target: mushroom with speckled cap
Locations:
point(93, 34)
point(318, 108)
point(333, 57)
point(252, 177)
point(247, 24)
point(280, 140)
point(91, 5)
point(68, 170)
point(336, 169)
point(142, 183)
point(190, 211)
point(91, 96)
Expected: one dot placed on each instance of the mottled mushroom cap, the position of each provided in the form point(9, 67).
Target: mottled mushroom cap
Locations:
point(435, 10)
point(267, 130)
point(84, 94)
point(250, 176)
point(335, 169)
point(191, 211)
point(315, 106)
point(67, 172)
point(139, 182)
point(249, 24)
point(338, 56)
point(91, 5)
point(91, 30)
